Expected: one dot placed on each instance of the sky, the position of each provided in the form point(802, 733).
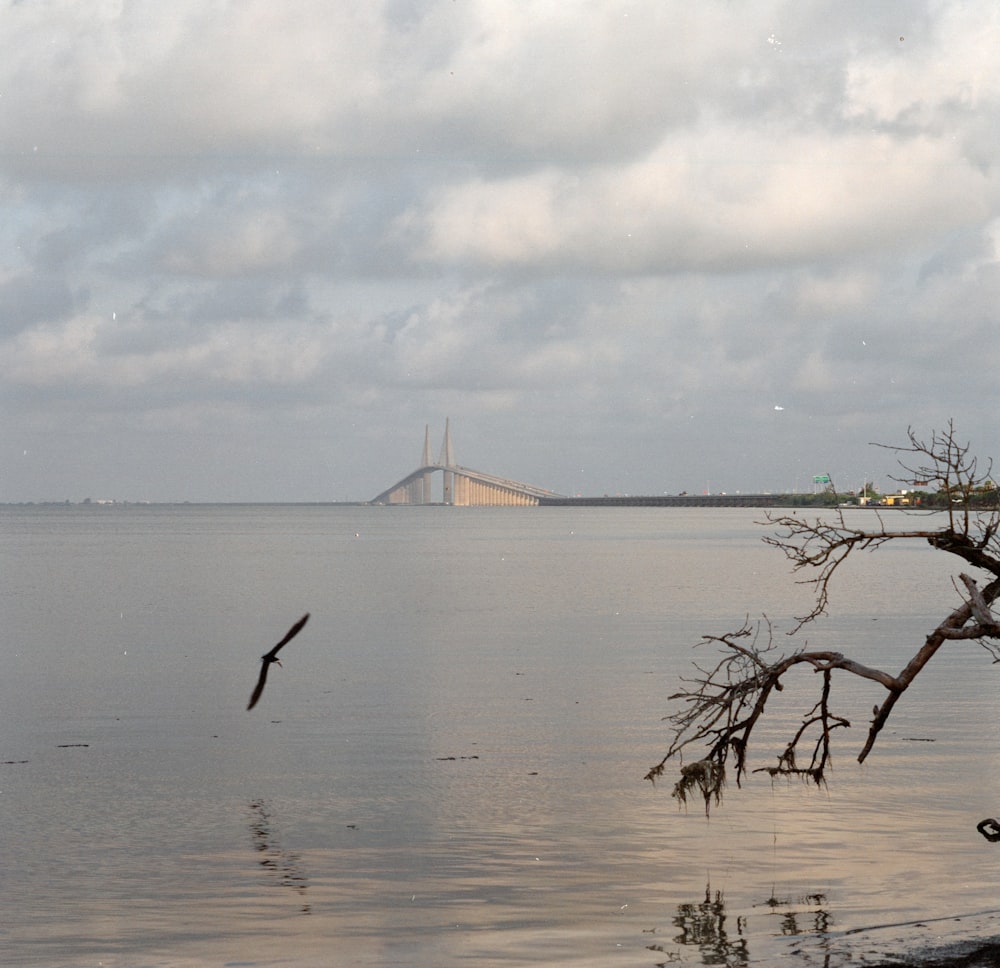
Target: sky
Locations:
point(251, 250)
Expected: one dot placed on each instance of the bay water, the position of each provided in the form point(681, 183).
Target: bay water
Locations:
point(448, 767)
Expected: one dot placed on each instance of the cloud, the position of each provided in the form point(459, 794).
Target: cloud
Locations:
point(606, 237)
point(941, 75)
point(706, 202)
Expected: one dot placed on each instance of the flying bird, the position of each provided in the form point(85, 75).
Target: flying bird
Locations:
point(272, 656)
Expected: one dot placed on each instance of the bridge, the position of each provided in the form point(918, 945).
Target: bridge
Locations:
point(460, 486)
point(464, 487)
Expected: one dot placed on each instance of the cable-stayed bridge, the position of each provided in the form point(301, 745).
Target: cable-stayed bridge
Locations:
point(459, 486)
point(462, 486)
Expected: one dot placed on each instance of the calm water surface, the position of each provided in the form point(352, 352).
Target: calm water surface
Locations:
point(448, 769)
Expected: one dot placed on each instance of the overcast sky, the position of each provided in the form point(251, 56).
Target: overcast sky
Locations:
point(249, 250)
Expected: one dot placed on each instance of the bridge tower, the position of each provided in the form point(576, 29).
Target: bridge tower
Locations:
point(447, 461)
point(427, 481)
point(447, 456)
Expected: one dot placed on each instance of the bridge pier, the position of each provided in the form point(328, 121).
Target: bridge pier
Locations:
point(469, 491)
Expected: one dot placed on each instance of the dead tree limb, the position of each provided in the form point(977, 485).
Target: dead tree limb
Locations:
point(719, 709)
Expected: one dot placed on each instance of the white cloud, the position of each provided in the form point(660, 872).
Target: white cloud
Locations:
point(945, 70)
point(710, 201)
point(241, 244)
point(69, 355)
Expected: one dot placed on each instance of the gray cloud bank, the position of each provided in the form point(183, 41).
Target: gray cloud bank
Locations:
point(250, 249)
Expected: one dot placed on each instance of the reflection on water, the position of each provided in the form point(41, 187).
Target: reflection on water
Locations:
point(703, 925)
point(724, 938)
point(793, 922)
point(283, 866)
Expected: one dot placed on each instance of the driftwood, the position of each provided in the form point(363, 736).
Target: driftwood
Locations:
point(720, 708)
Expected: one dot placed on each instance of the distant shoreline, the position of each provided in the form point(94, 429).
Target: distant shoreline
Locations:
point(638, 500)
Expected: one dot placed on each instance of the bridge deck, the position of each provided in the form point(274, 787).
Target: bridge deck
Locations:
point(681, 501)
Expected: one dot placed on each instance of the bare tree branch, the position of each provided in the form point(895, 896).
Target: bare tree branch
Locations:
point(722, 705)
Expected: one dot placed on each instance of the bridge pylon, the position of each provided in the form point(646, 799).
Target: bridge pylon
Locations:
point(447, 460)
point(427, 480)
point(447, 456)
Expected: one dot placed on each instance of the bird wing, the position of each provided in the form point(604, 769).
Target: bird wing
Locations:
point(259, 688)
point(272, 656)
point(289, 635)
